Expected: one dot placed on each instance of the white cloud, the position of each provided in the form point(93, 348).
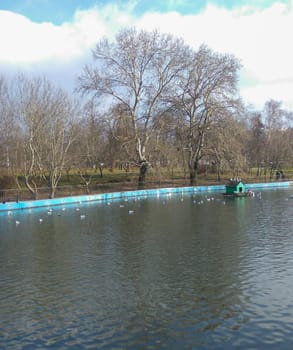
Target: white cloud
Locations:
point(25, 42)
point(259, 93)
point(259, 38)
point(57, 51)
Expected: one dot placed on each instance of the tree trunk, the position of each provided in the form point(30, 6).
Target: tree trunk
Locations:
point(219, 173)
point(142, 174)
point(52, 192)
point(32, 187)
point(193, 174)
point(192, 178)
point(53, 180)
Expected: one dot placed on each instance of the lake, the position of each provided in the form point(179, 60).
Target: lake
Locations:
point(192, 271)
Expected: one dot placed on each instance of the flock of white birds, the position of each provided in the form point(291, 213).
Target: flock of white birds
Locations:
point(195, 200)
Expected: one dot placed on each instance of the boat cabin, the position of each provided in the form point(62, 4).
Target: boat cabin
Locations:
point(235, 186)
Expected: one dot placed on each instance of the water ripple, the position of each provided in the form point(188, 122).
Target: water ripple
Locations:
point(212, 276)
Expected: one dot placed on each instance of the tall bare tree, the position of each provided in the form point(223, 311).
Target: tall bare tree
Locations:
point(208, 91)
point(276, 123)
point(47, 117)
point(256, 141)
point(138, 70)
point(3, 121)
point(91, 145)
point(225, 147)
point(8, 128)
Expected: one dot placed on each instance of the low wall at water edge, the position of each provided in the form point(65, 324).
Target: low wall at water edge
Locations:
point(7, 206)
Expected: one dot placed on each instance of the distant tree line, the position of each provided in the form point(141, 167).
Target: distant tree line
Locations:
point(146, 100)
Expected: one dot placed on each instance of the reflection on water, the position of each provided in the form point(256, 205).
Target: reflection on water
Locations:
point(191, 272)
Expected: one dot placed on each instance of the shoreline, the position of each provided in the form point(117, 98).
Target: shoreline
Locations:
point(8, 206)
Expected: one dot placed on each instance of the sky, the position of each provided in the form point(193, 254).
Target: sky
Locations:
point(55, 37)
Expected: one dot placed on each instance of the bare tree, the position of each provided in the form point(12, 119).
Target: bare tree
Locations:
point(225, 147)
point(207, 92)
point(3, 122)
point(120, 137)
point(256, 141)
point(47, 118)
point(91, 147)
point(276, 122)
point(136, 71)
point(8, 128)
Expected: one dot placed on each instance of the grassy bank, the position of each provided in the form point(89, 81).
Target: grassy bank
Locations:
point(112, 180)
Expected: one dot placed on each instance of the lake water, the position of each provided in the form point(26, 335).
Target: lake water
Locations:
point(174, 272)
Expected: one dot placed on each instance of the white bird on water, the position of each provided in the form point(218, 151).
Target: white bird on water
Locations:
point(17, 222)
